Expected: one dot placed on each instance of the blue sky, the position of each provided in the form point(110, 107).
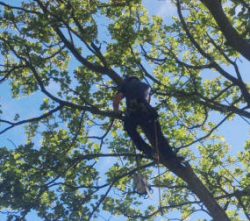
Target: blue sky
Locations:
point(236, 132)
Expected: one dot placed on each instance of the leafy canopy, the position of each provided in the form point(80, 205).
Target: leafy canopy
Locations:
point(76, 162)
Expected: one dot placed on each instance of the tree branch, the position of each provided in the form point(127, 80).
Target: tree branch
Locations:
point(93, 67)
point(232, 36)
point(225, 74)
point(31, 120)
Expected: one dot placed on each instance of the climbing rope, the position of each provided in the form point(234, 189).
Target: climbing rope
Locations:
point(158, 163)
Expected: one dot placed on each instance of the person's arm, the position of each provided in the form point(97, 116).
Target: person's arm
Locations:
point(116, 101)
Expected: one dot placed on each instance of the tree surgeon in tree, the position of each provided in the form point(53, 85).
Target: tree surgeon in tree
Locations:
point(140, 113)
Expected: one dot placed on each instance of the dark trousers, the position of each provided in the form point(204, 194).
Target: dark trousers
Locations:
point(149, 124)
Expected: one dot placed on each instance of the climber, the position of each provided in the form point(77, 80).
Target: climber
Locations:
point(140, 113)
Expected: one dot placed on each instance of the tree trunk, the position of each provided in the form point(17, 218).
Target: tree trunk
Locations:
point(197, 187)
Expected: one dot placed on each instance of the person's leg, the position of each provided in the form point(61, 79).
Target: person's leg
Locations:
point(153, 132)
point(163, 142)
point(130, 125)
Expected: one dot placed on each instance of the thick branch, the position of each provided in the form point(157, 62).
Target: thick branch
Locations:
point(197, 187)
point(216, 66)
point(232, 36)
point(93, 67)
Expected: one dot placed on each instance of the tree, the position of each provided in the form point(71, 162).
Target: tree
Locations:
point(85, 47)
